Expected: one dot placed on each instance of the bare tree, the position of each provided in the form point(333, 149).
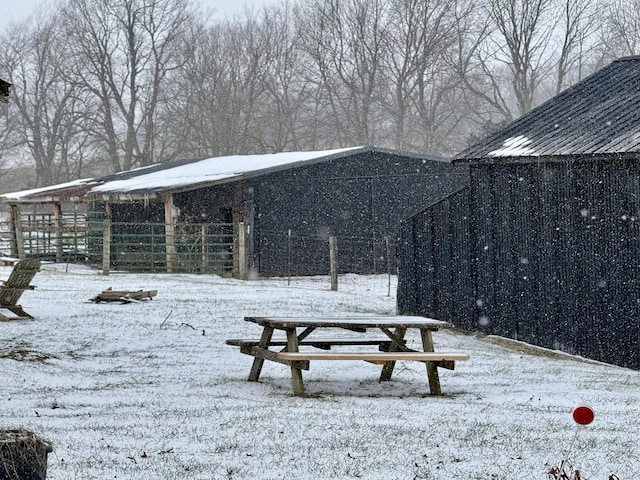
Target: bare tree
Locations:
point(577, 25)
point(620, 31)
point(125, 51)
point(46, 99)
point(285, 120)
point(345, 42)
point(222, 87)
point(522, 38)
point(421, 35)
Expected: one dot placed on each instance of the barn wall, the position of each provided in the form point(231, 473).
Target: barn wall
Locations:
point(557, 248)
point(359, 199)
point(435, 270)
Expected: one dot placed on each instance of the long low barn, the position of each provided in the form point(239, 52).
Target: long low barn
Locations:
point(267, 214)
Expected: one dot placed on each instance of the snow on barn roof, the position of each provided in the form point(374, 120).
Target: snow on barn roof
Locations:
point(596, 118)
point(178, 175)
point(208, 171)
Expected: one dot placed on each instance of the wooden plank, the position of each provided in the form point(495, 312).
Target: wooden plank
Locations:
point(265, 354)
point(355, 323)
point(320, 343)
point(375, 356)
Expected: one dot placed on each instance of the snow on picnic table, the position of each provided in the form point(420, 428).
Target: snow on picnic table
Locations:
point(150, 391)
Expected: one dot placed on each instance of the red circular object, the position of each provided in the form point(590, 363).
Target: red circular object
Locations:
point(583, 415)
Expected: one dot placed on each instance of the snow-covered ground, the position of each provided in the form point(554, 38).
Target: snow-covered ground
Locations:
point(151, 391)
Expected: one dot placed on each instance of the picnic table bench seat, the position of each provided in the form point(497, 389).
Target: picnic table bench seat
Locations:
point(440, 359)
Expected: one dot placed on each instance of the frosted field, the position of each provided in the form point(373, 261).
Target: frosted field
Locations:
point(151, 391)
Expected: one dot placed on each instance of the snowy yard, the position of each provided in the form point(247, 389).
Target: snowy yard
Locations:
point(151, 391)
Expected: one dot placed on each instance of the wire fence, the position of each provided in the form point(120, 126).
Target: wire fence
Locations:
point(133, 246)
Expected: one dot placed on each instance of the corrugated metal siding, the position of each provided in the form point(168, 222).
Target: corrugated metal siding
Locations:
point(435, 277)
point(360, 200)
point(558, 256)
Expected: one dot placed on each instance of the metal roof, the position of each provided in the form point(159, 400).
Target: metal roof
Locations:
point(596, 118)
point(183, 175)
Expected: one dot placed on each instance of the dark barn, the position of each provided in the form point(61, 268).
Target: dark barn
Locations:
point(360, 199)
point(288, 205)
point(552, 241)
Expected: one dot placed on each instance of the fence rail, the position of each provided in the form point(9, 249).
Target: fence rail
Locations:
point(134, 246)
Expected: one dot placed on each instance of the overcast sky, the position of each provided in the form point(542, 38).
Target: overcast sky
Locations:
point(17, 10)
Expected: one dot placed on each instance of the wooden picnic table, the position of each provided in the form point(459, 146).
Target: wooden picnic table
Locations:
point(301, 331)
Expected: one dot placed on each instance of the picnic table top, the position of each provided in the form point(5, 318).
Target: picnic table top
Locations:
point(380, 321)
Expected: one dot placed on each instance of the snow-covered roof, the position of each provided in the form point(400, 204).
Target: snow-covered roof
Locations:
point(596, 118)
point(208, 171)
point(178, 175)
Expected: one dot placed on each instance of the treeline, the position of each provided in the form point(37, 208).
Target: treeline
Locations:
point(101, 86)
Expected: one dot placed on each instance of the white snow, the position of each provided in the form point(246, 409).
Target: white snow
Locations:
point(150, 391)
point(513, 147)
point(40, 190)
point(211, 170)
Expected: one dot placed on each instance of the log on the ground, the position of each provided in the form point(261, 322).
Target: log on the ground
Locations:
point(124, 296)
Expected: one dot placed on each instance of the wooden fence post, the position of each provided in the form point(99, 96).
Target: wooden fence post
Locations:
point(169, 232)
point(204, 250)
point(289, 257)
point(242, 251)
point(333, 262)
point(57, 217)
point(106, 245)
point(388, 245)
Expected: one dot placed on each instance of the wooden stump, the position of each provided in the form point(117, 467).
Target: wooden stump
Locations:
point(22, 455)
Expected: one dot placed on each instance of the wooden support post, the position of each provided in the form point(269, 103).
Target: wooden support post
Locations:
point(16, 216)
point(333, 262)
point(169, 232)
point(57, 228)
point(242, 251)
point(204, 250)
point(106, 242)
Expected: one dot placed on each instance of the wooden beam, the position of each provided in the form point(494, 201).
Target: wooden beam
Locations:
point(169, 232)
point(57, 227)
point(106, 240)
point(16, 217)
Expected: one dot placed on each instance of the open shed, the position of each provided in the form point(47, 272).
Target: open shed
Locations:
point(548, 230)
point(267, 214)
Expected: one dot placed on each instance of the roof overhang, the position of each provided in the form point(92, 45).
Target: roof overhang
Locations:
point(530, 159)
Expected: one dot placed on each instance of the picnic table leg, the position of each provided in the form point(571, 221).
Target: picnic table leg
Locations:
point(387, 370)
point(256, 368)
point(296, 373)
point(432, 370)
